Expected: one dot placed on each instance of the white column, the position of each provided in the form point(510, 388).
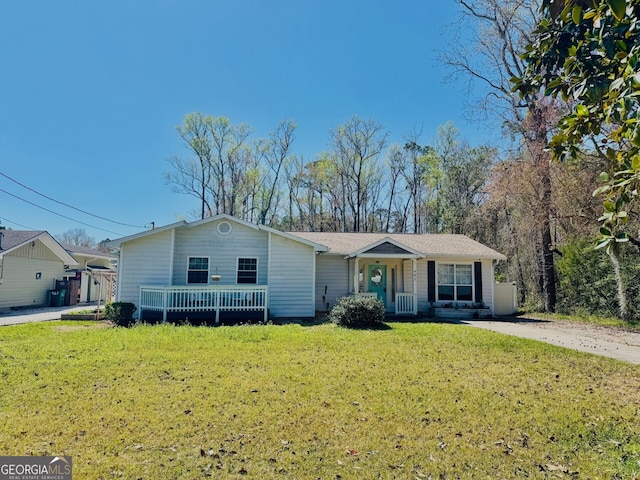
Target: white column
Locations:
point(414, 265)
point(356, 276)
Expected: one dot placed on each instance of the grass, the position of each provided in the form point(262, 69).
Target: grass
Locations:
point(586, 318)
point(414, 401)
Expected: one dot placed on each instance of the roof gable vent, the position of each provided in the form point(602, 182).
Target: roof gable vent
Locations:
point(224, 228)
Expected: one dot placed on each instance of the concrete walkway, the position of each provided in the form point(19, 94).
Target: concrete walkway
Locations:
point(18, 316)
point(599, 340)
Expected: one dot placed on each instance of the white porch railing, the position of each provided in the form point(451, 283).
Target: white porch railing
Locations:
point(406, 304)
point(205, 298)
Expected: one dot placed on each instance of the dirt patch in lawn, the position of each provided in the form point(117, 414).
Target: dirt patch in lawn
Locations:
point(93, 326)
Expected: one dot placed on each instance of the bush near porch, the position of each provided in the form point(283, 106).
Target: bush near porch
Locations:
point(418, 400)
point(358, 312)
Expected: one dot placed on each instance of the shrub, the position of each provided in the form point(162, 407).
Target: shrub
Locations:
point(358, 312)
point(587, 284)
point(120, 313)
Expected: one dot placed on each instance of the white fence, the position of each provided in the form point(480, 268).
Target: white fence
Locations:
point(506, 299)
point(205, 298)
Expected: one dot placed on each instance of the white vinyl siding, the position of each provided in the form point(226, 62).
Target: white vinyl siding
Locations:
point(223, 251)
point(332, 274)
point(488, 279)
point(146, 261)
point(291, 278)
point(423, 297)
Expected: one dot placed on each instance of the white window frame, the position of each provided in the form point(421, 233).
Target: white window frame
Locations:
point(238, 269)
point(193, 270)
point(455, 284)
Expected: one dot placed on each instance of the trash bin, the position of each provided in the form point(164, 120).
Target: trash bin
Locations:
point(57, 298)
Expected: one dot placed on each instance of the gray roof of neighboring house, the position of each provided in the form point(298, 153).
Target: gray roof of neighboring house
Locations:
point(439, 245)
point(13, 238)
point(85, 251)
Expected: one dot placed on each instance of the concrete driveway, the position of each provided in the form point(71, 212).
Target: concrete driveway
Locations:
point(18, 316)
point(606, 341)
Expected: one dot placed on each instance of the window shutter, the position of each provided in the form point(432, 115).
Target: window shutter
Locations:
point(477, 273)
point(431, 281)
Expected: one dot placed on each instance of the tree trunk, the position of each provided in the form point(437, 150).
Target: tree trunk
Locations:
point(541, 158)
point(623, 309)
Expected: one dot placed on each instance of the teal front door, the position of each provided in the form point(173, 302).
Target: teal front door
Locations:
point(378, 281)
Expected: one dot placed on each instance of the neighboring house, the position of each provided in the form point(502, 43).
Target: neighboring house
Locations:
point(30, 264)
point(95, 273)
point(223, 264)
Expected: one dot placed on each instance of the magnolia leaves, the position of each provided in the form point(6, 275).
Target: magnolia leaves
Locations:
point(588, 52)
point(618, 8)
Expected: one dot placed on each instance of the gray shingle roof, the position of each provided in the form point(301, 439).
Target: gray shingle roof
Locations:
point(432, 245)
point(86, 251)
point(13, 238)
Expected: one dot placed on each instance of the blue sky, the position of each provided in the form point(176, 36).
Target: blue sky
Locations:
point(91, 92)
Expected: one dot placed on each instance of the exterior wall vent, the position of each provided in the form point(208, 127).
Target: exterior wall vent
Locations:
point(224, 228)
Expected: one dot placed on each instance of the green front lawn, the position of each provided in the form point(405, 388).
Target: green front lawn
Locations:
point(414, 401)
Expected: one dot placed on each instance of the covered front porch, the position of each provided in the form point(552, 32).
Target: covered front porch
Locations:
point(388, 271)
point(201, 299)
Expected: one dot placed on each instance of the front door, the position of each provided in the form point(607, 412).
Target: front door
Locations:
point(378, 281)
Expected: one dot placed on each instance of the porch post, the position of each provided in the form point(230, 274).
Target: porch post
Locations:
point(264, 303)
point(164, 305)
point(217, 305)
point(414, 276)
point(140, 305)
point(356, 276)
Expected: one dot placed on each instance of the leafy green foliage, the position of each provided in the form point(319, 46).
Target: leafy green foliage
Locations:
point(358, 312)
point(587, 283)
point(120, 313)
point(588, 53)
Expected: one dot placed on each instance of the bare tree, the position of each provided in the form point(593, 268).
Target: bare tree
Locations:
point(192, 176)
point(502, 29)
point(275, 151)
point(358, 144)
point(76, 236)
point(231, 157)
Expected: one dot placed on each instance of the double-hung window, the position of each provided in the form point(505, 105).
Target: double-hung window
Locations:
point(455, 282)
point(247, 270)
point(198, 270)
